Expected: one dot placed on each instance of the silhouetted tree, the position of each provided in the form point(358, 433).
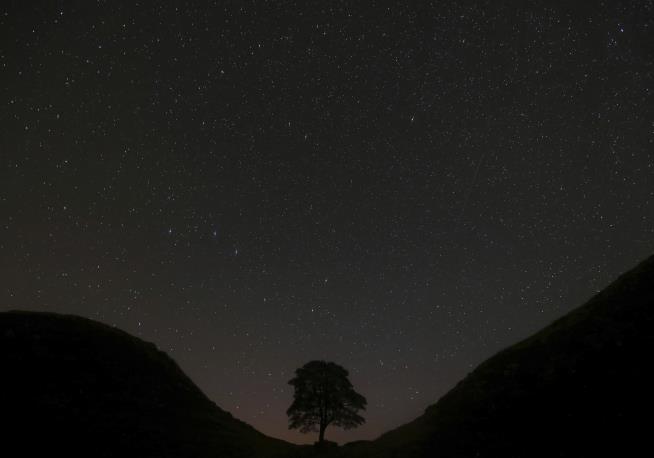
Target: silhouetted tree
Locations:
point(324, 396)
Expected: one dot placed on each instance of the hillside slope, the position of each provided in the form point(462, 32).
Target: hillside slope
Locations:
point(581, 387)
point(76, 387)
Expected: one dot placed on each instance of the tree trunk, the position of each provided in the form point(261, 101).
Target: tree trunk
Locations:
point(321, 436)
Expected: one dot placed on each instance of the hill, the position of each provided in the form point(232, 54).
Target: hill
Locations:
point(75, 387)
point(581, 387)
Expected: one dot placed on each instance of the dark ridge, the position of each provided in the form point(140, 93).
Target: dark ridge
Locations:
point(78, 387)
point(581, 387)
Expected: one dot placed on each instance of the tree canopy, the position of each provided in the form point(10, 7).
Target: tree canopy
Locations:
point(324, 396)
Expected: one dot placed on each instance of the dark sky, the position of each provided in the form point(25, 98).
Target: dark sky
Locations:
point(404, 190)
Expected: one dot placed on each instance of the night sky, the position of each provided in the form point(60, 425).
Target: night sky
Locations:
point(404, 190)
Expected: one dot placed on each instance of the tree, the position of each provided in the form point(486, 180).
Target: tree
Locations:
point(324, 396)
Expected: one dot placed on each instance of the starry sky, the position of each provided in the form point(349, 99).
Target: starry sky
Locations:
point(403, 188)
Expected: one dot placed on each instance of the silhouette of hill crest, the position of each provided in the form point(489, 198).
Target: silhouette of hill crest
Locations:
point(88, 388)
point(577, 388)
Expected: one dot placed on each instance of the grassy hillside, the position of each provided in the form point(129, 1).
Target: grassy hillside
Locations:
point(581, 387)
point(79, 387)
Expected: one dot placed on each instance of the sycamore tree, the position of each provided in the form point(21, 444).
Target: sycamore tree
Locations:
point(324, 396)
